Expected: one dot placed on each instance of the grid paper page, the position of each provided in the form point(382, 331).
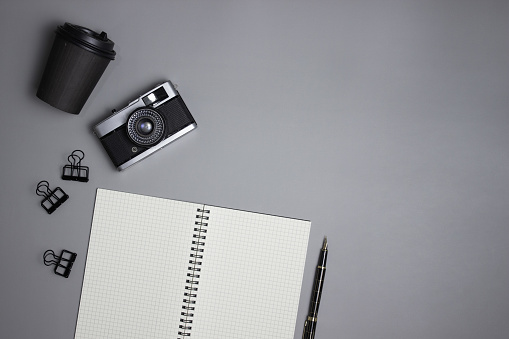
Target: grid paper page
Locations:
point(136, 267)
point(252, 272)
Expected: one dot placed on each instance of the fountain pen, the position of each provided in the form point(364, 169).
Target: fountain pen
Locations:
point(310, 324)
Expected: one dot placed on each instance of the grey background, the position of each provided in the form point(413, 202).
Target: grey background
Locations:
point(383, 122)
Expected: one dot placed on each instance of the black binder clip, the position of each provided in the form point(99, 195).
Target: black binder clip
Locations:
point(74, 170)
point(52, 198)
point(63, 263)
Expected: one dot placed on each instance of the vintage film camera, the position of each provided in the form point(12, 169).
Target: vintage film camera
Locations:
point(145, 126)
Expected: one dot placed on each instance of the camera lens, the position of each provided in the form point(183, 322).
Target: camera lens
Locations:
point(145, 127)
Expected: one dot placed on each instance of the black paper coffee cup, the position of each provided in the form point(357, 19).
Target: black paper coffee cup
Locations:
point(76, 62)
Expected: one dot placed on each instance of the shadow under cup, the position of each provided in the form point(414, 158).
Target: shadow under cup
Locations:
point(76, 62)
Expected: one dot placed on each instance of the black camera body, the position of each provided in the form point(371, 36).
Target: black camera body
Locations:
point(145, 126)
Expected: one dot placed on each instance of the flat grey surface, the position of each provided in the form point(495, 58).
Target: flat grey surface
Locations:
point(385, 123)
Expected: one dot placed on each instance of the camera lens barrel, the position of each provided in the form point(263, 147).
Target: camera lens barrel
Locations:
point(145, 127)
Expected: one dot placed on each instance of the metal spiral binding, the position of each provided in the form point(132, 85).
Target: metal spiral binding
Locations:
point(193, 276)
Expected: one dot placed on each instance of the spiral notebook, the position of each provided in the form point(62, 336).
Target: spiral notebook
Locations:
point(161, 268)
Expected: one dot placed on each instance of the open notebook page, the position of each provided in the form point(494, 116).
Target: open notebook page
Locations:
point(251, 276)
point(136, 267)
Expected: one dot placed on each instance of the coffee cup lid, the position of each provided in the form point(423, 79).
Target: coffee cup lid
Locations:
point(88, 39)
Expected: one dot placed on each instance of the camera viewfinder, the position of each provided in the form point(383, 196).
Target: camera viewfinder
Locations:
point(157, 95)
